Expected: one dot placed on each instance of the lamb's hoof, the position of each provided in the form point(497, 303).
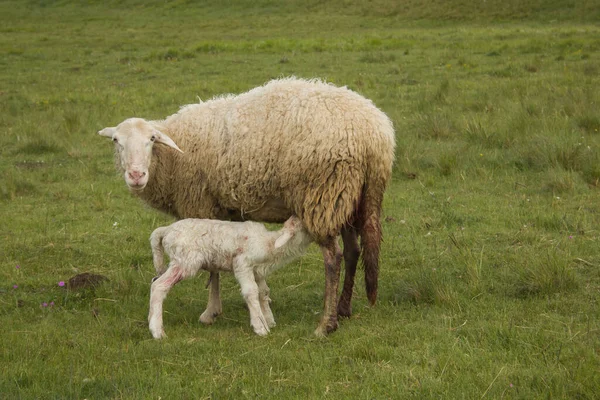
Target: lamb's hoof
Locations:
point(158, 334)
point(261, 331)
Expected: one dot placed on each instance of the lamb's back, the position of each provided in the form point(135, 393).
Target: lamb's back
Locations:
point(207, 243)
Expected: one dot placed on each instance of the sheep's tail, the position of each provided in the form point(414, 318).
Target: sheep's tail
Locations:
point(369, 229)
point(158, 253)
point(379, 173)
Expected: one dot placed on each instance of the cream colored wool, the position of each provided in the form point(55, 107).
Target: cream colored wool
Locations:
point(289, 147)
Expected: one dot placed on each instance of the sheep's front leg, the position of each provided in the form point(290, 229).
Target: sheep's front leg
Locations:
point(332, 257)
point(265, 300)
point(214, 307)
point(244, 275)
point(158, 292)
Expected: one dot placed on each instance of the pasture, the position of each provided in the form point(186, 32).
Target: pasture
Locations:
point(490, 267)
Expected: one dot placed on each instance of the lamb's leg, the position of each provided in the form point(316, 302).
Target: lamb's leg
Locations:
point(332, 257)
point(265, 300)
point(158, 252)
point(351, 254)
point(245, 277)
point(213, 308)
point(158, 292)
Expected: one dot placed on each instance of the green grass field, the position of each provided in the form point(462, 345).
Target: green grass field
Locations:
point(490, 268)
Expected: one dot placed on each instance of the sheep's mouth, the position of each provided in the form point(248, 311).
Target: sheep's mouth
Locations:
point(136, 188)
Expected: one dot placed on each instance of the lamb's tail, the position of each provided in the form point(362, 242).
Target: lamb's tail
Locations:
point(369, 228)
point(158, 253)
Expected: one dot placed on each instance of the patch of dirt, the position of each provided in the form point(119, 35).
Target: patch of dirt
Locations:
point(86, 280)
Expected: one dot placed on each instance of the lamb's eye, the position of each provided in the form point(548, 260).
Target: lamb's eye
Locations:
point(115, 140)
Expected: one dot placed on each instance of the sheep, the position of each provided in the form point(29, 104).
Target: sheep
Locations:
point(291, 146)
point(247, 249)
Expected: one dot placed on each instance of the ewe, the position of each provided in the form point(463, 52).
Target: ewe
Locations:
point(292, 146)
point(247, 249)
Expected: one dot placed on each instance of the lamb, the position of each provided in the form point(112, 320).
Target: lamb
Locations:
point(247, 249)
point(290, 147)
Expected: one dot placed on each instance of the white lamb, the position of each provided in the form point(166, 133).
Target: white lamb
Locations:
point(247, 249)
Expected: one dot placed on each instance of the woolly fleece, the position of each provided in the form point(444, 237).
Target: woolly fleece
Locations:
point(292, 146)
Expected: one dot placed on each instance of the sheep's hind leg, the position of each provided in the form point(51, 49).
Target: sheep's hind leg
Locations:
point(332, 257)
point(265, 300)
point(351, 254)
point(158, 292)
point(245, 277)
point(214, 307)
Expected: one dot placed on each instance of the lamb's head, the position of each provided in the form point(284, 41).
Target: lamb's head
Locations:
point(293, 233)
point(133, 140)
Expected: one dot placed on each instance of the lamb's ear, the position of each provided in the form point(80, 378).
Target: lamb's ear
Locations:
point(283, 239)
point(164, 139)
point(108, 132)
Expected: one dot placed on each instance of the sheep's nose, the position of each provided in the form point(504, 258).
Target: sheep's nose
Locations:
point(136, 175)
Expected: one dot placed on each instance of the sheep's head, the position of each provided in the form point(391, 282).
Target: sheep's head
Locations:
point(133, 140)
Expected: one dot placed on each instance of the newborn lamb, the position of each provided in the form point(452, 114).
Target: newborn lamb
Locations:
point(247, 249)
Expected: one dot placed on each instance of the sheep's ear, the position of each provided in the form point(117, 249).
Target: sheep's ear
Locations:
point(108, 132)
point(164, 139)
point(283, 239)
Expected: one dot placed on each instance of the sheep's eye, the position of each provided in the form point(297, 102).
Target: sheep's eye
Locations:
point(115, 140)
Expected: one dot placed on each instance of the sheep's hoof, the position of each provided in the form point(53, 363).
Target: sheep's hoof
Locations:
point(325, 329)
point(209, 317)
point(320, 333)
point(344, 311)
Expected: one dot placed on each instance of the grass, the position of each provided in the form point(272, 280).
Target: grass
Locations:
point(489, 270)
